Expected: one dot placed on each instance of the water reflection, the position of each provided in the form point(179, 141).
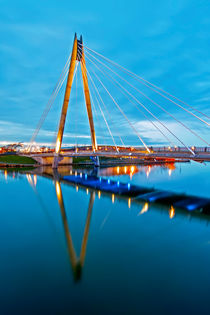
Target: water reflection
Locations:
point(167, 248)
point(134, 169)
point(145, 208)
point(76, 262)
point(171, 212)
point(141, 208)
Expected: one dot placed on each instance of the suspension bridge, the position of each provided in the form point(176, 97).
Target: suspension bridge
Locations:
point(181, 128)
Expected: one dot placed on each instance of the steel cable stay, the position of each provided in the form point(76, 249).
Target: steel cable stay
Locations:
point(140, 79)
point(141, 111)
point(80, 55)
point(102, 113)
point(94, 108)
point(100, 97)
point(100, 108)
point(145, 109)
point(105, 107)
point(98, 122)
point(124, 115)
point(120, 89)
point(156, 104)
point(46, 111)
point(75, 71)
point(76, 118)
point(50, 102)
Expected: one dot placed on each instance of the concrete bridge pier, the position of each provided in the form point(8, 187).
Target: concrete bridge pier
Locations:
point(56, 160)
point(53, 161)
point(96, 160)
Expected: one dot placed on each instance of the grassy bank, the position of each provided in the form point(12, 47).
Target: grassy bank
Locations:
point(81, 159)
point(84, 159)
point(16, 159)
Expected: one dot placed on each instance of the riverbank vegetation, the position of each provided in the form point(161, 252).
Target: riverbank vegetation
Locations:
point(16, 159)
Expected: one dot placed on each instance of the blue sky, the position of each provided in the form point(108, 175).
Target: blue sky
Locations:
point(166, 42)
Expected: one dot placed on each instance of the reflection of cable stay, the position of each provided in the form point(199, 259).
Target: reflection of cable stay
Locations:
point(32, 182)
point(76, 263)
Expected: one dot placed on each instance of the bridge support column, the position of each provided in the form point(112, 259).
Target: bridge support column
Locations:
point(97, 162)
point(65, 103)
point(87, 96)
point(77, 56)
point(56, 160)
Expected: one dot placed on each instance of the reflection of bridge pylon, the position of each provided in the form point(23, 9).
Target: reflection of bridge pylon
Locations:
point(76, 263)
point(77, 56)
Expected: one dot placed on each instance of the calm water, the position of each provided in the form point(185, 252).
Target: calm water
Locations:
point(99, 254)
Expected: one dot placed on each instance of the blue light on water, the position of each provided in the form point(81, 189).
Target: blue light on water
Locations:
point(191, 207)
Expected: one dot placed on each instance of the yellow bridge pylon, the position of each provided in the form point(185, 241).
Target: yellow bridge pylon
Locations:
point(77, 55)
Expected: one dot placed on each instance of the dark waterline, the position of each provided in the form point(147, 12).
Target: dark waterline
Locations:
point(96, 254)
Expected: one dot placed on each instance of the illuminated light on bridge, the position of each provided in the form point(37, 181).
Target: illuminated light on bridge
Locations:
point(87, 191)
point(93, 82)
point(99, 194)
point(57, 148)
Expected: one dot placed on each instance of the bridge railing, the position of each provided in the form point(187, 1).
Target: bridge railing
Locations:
point(176, 149)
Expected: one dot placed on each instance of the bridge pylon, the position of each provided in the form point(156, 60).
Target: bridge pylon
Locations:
point(76, 56)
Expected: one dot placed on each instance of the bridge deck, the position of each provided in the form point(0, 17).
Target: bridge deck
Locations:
point(134, 156)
